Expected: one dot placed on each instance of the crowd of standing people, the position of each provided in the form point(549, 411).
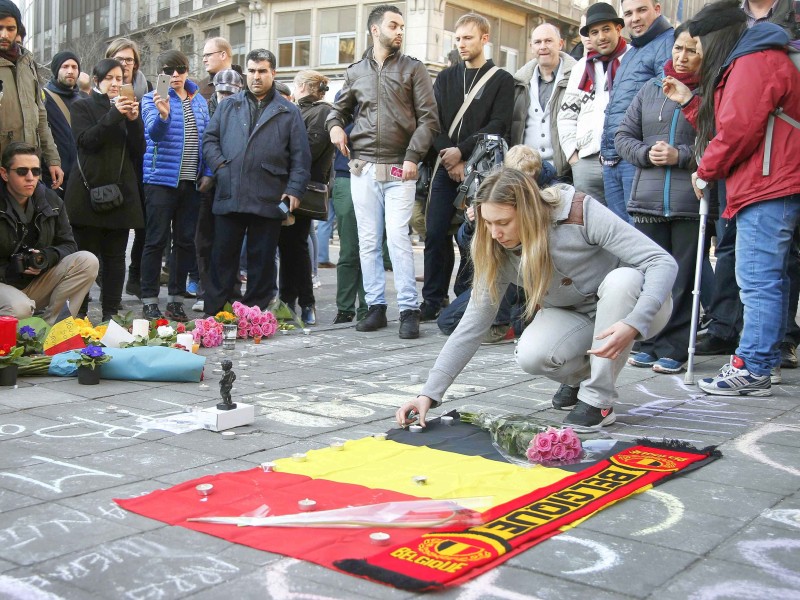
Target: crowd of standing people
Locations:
point(596, 248)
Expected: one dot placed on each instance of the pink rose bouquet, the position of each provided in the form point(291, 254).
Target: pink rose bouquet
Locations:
point(252, 321)
point(555, 445)
point(207, 332)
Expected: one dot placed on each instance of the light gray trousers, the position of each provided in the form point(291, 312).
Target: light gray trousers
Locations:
point(556, 341)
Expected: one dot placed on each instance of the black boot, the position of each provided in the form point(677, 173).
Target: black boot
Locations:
point(375, 319)
point(409, 324)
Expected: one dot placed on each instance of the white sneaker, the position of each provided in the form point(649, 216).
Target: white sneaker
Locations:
point(316, 282)
point(199, 306)
point(775, 375)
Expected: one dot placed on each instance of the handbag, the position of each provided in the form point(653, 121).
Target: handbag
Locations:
point(105, 198)
point(315, 202)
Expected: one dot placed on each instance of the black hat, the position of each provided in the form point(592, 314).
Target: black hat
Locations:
point(600, 13)
point(9, 8)
point(60, 58)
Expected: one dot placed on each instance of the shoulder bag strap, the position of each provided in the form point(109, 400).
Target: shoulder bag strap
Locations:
point(61, 106)
point(121, 163)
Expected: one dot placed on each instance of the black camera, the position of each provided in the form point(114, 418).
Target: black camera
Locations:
point(26, 258)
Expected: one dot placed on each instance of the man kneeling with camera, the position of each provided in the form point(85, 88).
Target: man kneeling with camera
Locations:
point(39, 260)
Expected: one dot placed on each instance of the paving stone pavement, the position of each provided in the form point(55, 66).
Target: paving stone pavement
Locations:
point(728, 530)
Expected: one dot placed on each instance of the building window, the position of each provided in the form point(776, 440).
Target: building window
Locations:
point(211, 33)
point(508, 58)
point(186, 45)
point(236, 38)
point(89, 24)
point(293, 30)
point(337, 41)
point(75, 28)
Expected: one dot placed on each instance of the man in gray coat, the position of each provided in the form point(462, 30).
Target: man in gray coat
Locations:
point(538, 94)
point(257, 146)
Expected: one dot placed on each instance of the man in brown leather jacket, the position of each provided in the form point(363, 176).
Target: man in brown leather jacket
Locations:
point(396, 123)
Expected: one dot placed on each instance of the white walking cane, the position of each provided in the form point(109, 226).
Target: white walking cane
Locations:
point(698, 271)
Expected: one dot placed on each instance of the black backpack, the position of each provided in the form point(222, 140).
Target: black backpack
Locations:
point(489, 153)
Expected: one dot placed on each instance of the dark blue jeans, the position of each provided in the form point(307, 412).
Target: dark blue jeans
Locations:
point(439, 254)
point(617, 182)
point(176, 210)
point(262, 243)
point(510, 311)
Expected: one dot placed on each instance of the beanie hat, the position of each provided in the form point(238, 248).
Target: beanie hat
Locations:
point(9, 8)
point(227, 80)
point(282, 88)
point(62, 57)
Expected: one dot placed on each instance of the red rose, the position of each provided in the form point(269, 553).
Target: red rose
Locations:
point(161, 322)
point(181, 328)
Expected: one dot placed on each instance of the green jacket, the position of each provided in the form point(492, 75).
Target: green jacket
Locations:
point(23, 117)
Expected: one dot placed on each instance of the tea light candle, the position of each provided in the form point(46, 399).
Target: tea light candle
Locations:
point(306, 342)
point(204, 489)
point(111, 408)
point(381, 437)
point(141, 327)
point(186, 340)
point(446, 420)
point(217, 370)
point(337, 446)
point(415, 428)
point(299, 457)
point(203, 387)
point(259, 384)
point(228, 435)
point(414, 379)
point(284, 332)
point(420, 480)
point(306, 331)
point(379, 538)
point(195, 348)
point(337, 400)
point(256, 339)
point(268, 467)
point(306, 505)
point(382, 376)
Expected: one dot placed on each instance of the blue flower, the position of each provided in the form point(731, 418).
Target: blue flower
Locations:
point(93, 351)
point(27, 332)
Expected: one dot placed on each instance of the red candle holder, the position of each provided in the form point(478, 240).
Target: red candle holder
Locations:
point(8, 331)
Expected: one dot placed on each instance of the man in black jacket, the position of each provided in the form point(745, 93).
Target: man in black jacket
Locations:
point(489, 112)
point(60, 92)
point(39, 260)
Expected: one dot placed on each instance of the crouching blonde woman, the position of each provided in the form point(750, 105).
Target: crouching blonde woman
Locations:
point(598, 284)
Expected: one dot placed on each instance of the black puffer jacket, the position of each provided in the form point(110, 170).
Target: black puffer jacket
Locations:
point(659, 191)
point(102, 133)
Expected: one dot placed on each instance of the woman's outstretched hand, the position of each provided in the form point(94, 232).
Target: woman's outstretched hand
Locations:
point(419, 405)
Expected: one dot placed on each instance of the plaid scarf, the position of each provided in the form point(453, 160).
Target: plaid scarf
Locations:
point(587, 81)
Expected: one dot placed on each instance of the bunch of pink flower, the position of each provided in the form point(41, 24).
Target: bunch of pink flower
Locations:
point(207, 332)
point(554, 445)
point(253, 322)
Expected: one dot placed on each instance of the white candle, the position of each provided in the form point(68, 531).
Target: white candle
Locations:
point(306, 505)
point(186, 340)
point(447, 420)
point(204, 489)
point(415, 428)
point(141, 327)
point(379, 538)
point(337, 446)
point(268, 467)
point(299, 457)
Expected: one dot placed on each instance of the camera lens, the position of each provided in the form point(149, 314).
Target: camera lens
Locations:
point(37, 260)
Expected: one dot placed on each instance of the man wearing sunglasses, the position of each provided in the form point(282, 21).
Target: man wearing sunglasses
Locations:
point(40, 265)
point(174, 172)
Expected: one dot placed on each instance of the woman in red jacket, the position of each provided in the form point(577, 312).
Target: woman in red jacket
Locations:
point(746, 76)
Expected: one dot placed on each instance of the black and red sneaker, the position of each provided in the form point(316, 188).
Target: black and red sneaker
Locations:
point(586, 415)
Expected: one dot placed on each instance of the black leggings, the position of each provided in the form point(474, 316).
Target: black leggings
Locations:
point(108, 245)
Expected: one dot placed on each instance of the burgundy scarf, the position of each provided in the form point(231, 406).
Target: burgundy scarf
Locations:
point(690, 80)
point(587, 81)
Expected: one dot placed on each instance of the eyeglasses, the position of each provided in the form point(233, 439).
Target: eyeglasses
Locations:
point(124, 60)
point(181, 70)
point(23, 171)
point(207, 54)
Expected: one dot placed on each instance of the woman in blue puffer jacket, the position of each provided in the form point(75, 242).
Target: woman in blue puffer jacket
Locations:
point(173, 173)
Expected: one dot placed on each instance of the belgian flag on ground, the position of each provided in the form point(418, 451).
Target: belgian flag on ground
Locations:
point(63, 335)
point(526, 505)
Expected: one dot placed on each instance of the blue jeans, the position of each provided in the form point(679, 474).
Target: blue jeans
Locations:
point(377, 204)
point(324, 233)
point(763, 241)
point(617, 182)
